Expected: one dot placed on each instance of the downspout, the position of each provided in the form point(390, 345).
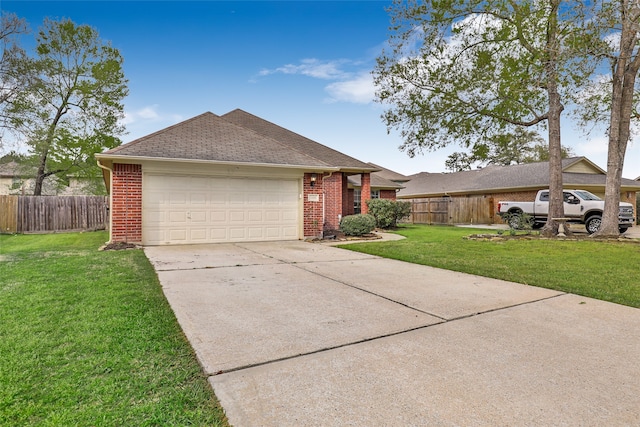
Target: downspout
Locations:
point(101, 166)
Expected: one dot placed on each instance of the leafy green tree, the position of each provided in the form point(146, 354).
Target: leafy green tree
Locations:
point(521, 146)
point(465, 71)
point(72, 106)
point(458, 162)
point(11, 79)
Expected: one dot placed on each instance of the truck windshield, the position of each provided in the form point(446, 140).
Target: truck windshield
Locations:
point(585, 195)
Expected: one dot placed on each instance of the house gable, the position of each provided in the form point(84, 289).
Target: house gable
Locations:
point(583, 165)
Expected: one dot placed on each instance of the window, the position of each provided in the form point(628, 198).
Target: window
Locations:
point(357, 199)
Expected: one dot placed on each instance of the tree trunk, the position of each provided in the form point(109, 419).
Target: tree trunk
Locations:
point(625, 71)
point(40, 174)
point(556, 201)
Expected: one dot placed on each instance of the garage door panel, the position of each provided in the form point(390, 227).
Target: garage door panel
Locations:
point(198, 216)
point(198, 234)
point(178, 234)
point(198, 198)
point(176, 198)
point(155, 217)
point(177, 216)
point(236, 233)
point(236, 216)
point(272, 216)
point(218, 216)
point(218, 234)
point(198, 209)
point(255, 232)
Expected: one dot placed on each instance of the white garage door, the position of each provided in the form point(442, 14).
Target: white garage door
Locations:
point(202, 209)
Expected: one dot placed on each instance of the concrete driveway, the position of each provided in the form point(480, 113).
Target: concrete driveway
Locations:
point(303, 334)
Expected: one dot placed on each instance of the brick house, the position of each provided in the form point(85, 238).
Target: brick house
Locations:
point(231, 178)
point(473, 196)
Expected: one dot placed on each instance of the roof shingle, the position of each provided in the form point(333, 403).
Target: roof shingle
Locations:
point(209, 137)
point(296, 141)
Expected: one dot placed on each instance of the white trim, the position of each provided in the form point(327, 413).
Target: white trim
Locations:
point(139, 159)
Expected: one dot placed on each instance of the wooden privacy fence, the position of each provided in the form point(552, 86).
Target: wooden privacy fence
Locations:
point(48, 214)
point(453, 210)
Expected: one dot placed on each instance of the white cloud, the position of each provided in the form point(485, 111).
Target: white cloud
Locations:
point(146, 113)
point(353, 85)
point(147, 120)
point(326, 70)
point(359, 90)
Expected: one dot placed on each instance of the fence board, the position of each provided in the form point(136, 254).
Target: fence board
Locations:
point(8, 214)
point(452, 210)
point(47, 214)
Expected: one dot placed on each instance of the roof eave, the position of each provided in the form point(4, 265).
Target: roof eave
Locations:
point(134, 159)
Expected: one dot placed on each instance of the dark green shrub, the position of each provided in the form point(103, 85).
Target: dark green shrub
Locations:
point(388, 212)
point(357, 225)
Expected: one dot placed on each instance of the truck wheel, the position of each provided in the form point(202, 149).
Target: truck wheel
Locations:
point(515, 220)
point(623, 229)
point(593, 224)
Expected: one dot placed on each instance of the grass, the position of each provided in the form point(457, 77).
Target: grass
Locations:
point(88, 339)
point(606, 270)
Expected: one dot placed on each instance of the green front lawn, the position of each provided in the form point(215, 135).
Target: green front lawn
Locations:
point(88, 339)
point(608, 271)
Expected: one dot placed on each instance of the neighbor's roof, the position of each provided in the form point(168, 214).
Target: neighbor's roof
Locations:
point(389, 174)
point(376, 182)
point(14, 169)
point(236, 137)
point(577, 172)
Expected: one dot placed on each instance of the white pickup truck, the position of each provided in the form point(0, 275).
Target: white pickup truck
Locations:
point(580, 206)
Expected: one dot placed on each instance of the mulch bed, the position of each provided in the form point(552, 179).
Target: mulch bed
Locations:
point(336, 235)
point(118, 246)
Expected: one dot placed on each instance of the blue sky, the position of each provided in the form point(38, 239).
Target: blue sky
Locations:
point(304, 65)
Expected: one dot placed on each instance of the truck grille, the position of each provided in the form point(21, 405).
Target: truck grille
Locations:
point(626, 212)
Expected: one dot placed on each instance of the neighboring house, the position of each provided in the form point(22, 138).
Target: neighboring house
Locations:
point(229, 178)
point(17, 179)
point(472, 196)
point(12, 179)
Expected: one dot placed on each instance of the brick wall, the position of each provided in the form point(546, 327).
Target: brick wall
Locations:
point(312, 210)
point(365, 194)
point(333, 190)
point(126, 203)
point(388, 194)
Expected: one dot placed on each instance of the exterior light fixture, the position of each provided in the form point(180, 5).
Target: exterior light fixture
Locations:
point(313, 179)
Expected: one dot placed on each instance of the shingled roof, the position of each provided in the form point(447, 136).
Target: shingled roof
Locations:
point(236, 137)
point(389, 174)
point(296, 141)
point(577, 172)
point(377, 181)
